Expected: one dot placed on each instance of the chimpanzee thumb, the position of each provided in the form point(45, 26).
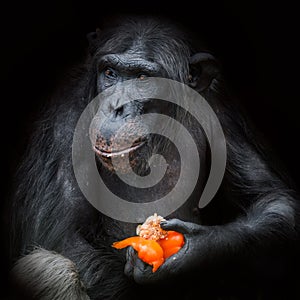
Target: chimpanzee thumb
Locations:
point(180, 226)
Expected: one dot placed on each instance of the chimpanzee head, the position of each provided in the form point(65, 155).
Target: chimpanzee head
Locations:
point(134, 52)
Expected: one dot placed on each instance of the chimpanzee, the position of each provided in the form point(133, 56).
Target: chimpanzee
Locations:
point(242, 245)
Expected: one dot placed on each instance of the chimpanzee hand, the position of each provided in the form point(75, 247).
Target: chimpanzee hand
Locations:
point(186, 259)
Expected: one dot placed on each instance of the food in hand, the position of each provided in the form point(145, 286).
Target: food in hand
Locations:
point(151, 229)
point(148, 251)
point(172, 243)
point(153, 244)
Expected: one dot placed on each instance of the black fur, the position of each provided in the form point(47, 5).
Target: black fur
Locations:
point(255, 213)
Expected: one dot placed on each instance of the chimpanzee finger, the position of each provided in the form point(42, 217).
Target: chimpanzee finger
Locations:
point(142, 272)
point(131, 258)
point(180, 226)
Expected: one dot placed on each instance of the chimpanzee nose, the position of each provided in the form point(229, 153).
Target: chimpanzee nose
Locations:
point(115, 120)
point(109, 128)
point(122, 112)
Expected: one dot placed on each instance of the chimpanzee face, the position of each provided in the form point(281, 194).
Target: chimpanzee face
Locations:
point(114, 69)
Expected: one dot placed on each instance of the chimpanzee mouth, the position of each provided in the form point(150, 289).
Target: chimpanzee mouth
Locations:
point(118, 152)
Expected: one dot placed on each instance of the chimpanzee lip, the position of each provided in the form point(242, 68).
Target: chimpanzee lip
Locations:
point(114, 153)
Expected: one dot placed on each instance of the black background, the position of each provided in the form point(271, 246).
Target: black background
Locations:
point(255, 42)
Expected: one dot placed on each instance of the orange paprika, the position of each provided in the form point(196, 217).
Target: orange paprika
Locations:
point(154, 252)
point(148, 251)
point(172, 243)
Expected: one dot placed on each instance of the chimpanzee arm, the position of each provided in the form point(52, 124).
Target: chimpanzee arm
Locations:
point(264, 229)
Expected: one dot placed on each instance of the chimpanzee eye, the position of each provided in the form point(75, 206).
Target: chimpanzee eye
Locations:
point(142, 76)
point(109, 73)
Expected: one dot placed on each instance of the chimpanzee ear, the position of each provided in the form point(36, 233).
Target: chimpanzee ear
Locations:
point(203, 69)
point(92, 38)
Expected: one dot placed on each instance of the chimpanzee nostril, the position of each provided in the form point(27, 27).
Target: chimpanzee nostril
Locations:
point(123, 111)
point(119, 111)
